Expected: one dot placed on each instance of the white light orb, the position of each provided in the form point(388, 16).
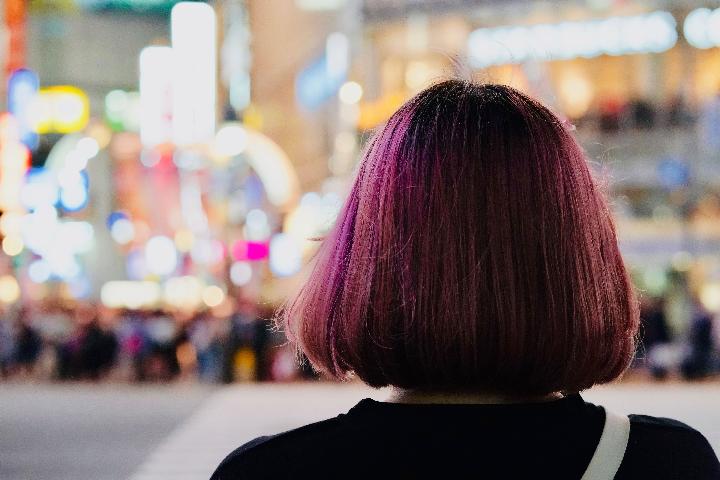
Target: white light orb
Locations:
point(161, 255)
point(695, 28)
point(285, 255)
point(311, 200)
point(122, 231)
point(713, 28)
point(39, 271)
point(213, 296)
point(256, 218)
point(206, 251)
point(9, 289)
point(75, 237)
point(13, 245)
point(257, 227)
point(350, 93)
point(240, 273)
point(183, 292)
point(87, 147)
point(73, 198)
point(40, 189)
point(231, 140)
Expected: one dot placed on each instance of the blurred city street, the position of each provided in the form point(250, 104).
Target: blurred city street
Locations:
point(167, 166)
point(83, 431)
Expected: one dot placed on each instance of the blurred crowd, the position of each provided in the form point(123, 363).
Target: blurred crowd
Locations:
point(86, 342)
point(614, 114)
point(663, 351)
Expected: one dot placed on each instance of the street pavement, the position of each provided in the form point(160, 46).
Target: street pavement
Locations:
point(182, 431)
point(87, 432)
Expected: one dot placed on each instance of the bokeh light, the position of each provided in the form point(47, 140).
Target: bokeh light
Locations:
point(9, 289)
point(13, 245)
point(240, 273)
point(184, 292)
point(285, 255)
point(160, 255)
point(39, 271)
point(122, 231)
point(184, 240)
point(231, 140)
point(350, 93)
point(213, 295)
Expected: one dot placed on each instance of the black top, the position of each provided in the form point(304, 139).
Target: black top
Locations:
point(553, 440)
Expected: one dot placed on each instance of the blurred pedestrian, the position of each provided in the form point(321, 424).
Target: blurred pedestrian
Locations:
point(28, 343)
point(710, 124)
point(239, 339)
point(7, 344)
point(654, 336)
point(701, 346)
point(98, 351)
point(678, 111)
point(475, 269)
point(246, 354)
point(204, 334)
point(133, 342)
point(160, 361)
point(639, 113)
point(610, 114)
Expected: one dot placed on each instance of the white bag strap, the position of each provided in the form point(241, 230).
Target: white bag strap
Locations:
point(611, 448)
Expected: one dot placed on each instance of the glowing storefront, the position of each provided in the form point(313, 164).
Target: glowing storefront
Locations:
point(640, 84)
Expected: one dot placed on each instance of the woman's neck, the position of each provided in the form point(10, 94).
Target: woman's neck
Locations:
point(400, 395)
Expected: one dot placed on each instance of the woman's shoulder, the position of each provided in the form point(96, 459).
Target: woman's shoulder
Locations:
point(276, 456)
point(656, 430)
point(661, 447)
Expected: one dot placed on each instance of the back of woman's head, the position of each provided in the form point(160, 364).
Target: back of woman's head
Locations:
point(474, 252)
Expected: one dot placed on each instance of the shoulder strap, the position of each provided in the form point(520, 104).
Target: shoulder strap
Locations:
point(610, 450)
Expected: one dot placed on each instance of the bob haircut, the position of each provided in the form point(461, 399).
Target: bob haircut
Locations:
point(474, 252)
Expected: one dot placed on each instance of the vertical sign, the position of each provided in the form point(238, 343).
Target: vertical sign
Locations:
point(235, 55)
point(156, 96)
point(194, 86)
point(15, 16)
point(22, 96)
point(320, 80)
point(14, 162)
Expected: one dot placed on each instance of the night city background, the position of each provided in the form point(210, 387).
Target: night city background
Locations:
point(166, 166)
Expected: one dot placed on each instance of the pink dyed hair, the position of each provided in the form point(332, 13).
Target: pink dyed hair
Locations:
point(475, 251)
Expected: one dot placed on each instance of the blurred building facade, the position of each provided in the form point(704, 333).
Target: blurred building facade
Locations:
point(639, 80)
point(294, 88)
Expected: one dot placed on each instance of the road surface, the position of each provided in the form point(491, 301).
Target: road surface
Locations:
point(177, 432)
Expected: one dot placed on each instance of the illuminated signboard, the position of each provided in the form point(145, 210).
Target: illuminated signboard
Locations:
point(139, 6)
point(14, 162)
point(382, 10)
point(156, 68)
point(702, 28)
point(650, 33)
point(22, 93)
point(122, 111)
point(321, 79)
point(320, 5)
point(61, 109)
point(14, 38)
point(193, 32)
